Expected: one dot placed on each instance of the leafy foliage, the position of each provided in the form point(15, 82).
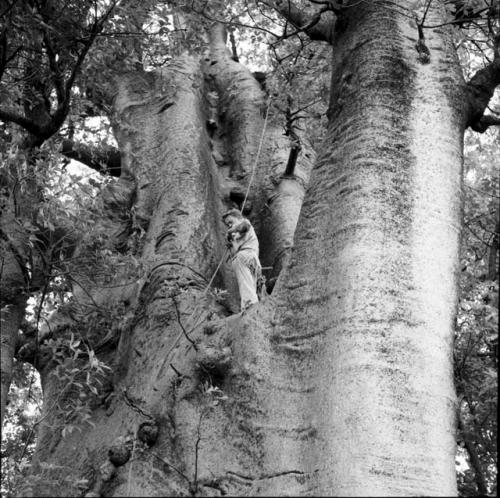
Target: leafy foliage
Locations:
point(18, 436)
point(476, 338)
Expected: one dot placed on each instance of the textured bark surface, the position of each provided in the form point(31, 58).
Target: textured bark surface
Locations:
point(160, 125)
point(280, 199)
point(374, 269)
point(241, 105)
point(340, 383)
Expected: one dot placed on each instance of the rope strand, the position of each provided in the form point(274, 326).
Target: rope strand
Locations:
point(258, 153)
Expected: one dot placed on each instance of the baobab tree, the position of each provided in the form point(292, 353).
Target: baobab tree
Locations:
point(340, 381)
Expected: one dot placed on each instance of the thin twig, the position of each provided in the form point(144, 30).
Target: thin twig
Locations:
point(175, 370)
point(166, 462)
point(182, 326)
point(421, 23)
point(194, 486)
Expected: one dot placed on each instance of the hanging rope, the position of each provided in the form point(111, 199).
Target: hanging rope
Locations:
point(258, 153)
point(252, 175)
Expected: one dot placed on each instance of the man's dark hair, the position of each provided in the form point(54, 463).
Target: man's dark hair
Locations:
point(232, 212)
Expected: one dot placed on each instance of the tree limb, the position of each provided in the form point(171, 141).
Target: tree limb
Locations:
point(474, 458)
point(63, 105)
point(485, 122)
point(41, 132)
point(480, 89)
point(54, 66)
point(315, 28)
point(13, 117)
point(52, 57)
point(105, 161)
point(65, 97)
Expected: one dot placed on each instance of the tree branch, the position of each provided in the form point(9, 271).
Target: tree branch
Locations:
point(13, 117)
point(63, 105)
point(480, 89)
point(291, 131)
point(54, 66)
point(485, 122)
point(315, 28)
point(105, 161)
point(63, 90)
point(474, 458)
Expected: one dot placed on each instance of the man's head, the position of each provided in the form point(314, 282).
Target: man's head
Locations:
point(232, 218)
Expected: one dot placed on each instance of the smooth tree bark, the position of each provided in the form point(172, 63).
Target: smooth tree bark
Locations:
point(338, 383)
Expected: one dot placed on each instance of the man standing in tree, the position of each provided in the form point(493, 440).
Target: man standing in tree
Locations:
point(244, 247)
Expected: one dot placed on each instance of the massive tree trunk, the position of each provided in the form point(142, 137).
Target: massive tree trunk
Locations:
point(373, 272)
point(340, 383)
